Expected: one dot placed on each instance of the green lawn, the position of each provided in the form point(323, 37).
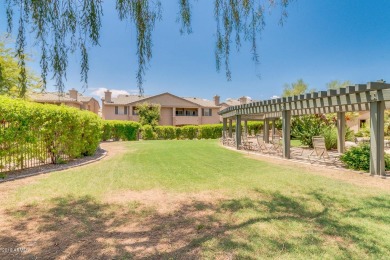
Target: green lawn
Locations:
point(262, 210)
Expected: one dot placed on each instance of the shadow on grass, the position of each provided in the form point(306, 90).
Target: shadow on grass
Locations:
point(271, 225)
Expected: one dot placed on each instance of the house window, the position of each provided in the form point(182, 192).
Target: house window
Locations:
point(190, 113)
point(362, 123)
point(207, 112)
point(135, 112)
point(116, 110)
point(89, 107)
point(179, 112)
point(125, 112)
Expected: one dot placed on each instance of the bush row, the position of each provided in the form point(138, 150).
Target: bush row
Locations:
point(191, 131)
point(358, 158)
point(120, 130)
point(31, 132)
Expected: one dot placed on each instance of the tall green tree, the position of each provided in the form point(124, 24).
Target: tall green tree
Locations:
point(296, 88)
point(336, 84)
point(10, 73)
point(149, 114)
point(60, 27)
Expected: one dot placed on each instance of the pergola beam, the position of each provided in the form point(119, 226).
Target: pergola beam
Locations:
point(238, 132)
point(377, 161)
point(286, 128)
point(341, 132)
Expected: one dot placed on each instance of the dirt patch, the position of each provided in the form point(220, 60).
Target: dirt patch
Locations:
point(162, 201)
point(83, 228)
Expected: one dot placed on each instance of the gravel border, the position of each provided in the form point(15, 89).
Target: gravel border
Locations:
point(47, 168)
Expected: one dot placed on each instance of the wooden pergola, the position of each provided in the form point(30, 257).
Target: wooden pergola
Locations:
point(373, 96)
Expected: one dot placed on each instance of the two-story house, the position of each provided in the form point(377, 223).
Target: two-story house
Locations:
point(176, 111)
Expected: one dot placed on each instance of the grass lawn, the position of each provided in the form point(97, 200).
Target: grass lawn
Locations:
point(193, 199)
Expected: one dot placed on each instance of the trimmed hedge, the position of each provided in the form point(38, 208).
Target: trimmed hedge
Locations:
point(31, 132)
point(166, 132)
point(120, 130)
point(213, 131)
point(148, 133)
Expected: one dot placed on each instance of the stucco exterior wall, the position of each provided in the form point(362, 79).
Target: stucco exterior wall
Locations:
point(108, 113)
point(168, 104)
point(166, 114)
point(354, 123)
point(213, 119)
point(92, 106)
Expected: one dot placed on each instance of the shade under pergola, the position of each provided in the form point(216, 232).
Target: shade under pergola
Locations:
point(373, 97)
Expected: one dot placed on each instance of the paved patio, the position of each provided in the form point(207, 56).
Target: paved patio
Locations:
point(301, 155)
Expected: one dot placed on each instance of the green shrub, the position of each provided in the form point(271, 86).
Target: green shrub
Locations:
point(120, 130)
point(32, 131)
point(189, 132)
point(210, 131)
point(178, 132)
point(364, 131)
point(148, 133)
point(358, 158)
point(349, 135)
point(330, 135)
point(165, 132)
point(256, 127)
point(304, 128)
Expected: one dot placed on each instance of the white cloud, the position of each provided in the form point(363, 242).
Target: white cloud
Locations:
point(115, 92)
point(275, 97)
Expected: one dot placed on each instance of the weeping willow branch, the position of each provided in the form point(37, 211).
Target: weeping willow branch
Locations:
point(63, 27)
point(143, 13)
point(241, 18)
point(60, 27)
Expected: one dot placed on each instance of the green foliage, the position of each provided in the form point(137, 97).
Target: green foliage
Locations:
point(296, 88)
point(358, 158)
point(9, 75)
point(330, 134)
point(179, 132)
point(335, 84)
point(149, 114)
point(256, 127)
point(304, 128)
point(60, 27)
point(189, 132)
point(166, 132)
point(120, 130)
point(364, 131)
point(210, 131)
point(349, 134)
point(148, 133)
point(35, 130)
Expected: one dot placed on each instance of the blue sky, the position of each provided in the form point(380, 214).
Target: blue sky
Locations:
point(319, 42)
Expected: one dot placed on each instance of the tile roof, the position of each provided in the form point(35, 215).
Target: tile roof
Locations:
point(127, 99)
point(232, 102)
point(51, 97)
point(58, 97)
point(201, 101)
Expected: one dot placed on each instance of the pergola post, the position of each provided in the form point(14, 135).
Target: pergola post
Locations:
point(230, 128)
point(286, 127)
point(273, 127)
point(341, 132)
point(224, 125)
point(266, 130)
point(246, 127)
point(377, 160)
point(238, 131)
